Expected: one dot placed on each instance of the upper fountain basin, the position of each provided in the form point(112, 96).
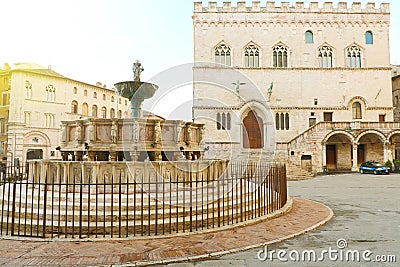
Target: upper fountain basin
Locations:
point(136, 89)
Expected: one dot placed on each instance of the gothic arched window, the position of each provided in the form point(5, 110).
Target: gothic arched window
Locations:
point(325, 57)
point(223, 54)
point(94, 111)
point(251, 57)
point(228, 121)
point(353, 57)
point(104, 112)
point(50, 93)
point(280, 57)
point(282, 121)
point(28, 88)
point(85, 109)
point(74, 107)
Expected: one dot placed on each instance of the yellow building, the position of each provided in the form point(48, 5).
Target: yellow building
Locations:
point(34, 101)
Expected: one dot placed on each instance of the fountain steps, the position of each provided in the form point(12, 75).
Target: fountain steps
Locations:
point(29, 212)
point(138, 225)
point(68, 214)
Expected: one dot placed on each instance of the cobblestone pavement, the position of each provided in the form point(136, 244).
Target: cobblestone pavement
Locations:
point(304, 215)
point(367, 216)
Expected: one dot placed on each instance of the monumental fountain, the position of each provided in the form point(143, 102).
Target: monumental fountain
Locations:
point(142, 175)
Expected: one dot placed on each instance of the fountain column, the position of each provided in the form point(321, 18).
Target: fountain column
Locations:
point(136, 91)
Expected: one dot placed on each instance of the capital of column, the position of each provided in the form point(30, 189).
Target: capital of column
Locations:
point(355, 145)
point(386, 144)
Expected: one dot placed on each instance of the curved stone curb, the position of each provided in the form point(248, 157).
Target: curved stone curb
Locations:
point(240, 249)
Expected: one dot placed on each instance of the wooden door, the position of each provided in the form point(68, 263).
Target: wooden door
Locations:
point(253, 132)
point(360, 154)
point(331, 157)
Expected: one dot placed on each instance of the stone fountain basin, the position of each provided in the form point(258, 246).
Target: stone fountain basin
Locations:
point(136, 90)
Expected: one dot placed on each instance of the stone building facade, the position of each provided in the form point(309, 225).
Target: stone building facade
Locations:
point(34, 101)
point(396, 96)
point(319, 76)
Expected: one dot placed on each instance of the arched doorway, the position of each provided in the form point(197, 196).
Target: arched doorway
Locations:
point(373, 147)
point(339, 152)
point(253, 131)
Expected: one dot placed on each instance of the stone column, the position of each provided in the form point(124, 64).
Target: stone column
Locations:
point(323, 154)
point(386, 152)
point(177, 133)
point(355, 157)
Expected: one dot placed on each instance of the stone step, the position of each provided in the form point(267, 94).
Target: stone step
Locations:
point(250, 202)
point(109, 201)
point(177, 223)
point(207, 218)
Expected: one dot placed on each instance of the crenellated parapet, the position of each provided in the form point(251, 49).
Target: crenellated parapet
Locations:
point(298, 13)
point(285, 7)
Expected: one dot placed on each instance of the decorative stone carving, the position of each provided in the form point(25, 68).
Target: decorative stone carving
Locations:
point(135, 131)
point(91, 132)
point(157, 133)
point(78, 132)
point(114, 132)
point(63, 133)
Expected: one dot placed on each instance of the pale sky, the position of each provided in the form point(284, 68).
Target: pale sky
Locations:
point(98, 40)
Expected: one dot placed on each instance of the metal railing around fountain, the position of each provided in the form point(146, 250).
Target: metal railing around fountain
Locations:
point(125, 208)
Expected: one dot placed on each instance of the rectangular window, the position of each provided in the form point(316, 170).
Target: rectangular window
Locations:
point(315, 101)
point(49, 120)
point(328, 116)
point(27, 118)
point(2, 126)
point(382, 117)
point(312, 122)
point(396, 100)
point(52, 153)
point(2, 147)
point(6, 99)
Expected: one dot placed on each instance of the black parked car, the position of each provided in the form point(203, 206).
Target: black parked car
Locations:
point(374, 167)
